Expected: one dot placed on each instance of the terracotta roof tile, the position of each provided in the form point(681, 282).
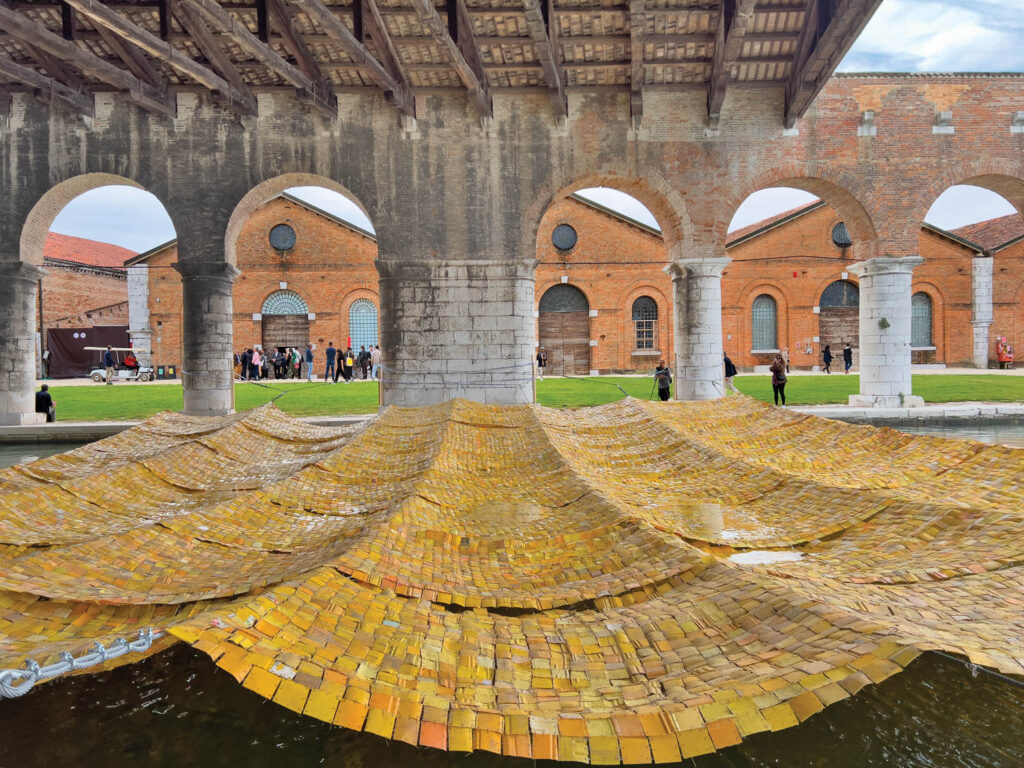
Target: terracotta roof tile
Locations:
point(751, 228)
point(82, 251)
point(993, 233)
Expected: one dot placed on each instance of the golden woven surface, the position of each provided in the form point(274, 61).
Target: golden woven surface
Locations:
point(533, 582)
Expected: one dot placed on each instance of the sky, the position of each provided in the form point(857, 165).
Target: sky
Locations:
point(903, 36)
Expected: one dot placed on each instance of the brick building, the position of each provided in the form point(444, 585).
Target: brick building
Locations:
point(306, 277)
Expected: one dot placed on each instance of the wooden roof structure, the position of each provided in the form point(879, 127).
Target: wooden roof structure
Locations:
point(64, 51)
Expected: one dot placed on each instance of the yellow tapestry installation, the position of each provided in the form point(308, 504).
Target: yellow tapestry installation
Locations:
point(638, 582)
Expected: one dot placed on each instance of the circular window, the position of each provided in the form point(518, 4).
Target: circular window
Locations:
point(841, 236)
point(282, 237)
point(564, 237)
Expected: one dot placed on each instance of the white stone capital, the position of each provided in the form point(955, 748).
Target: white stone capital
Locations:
point(711, 267)
point(886, 265)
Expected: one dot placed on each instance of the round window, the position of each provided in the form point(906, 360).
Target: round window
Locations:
point(282, 237)
point(564, 237)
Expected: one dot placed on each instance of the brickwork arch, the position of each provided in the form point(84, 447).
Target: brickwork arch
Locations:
point(783, 302)
point(40, 218)
point(851, 199)
point(646, 184)
point(268, 189)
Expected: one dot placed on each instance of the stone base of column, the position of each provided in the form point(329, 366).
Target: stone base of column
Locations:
point(980, 354)
point(455, 328)
point(886, 401)
point(17, 419)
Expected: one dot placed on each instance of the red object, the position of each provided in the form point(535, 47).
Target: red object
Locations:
point(794, 274)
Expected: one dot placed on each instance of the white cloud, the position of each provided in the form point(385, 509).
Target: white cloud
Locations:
point(618, 201)
point(964, 204)
point(125, 216)
point(335, 204)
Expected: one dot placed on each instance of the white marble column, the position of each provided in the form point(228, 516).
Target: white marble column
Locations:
point(207, 336)
point(981, 307)
point(885, 298)
point(19, 283)
point(139, 329)
point(697, 285)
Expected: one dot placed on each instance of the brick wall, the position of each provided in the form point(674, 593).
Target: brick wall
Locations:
point(80, 297)
point(330, 267)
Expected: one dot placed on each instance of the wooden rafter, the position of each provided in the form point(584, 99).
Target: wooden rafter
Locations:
point(538, 18)
point(137, 91)
point(733, 20)
point(54, 66)
point(294, 43)
point(394, 91)
point(473, 78)
point(132, 58)
point(830, 28)
point(637, 73)
point(212, 12)
point(154, 46)
point(48, 88)
point(211, 49)
point(372, 23)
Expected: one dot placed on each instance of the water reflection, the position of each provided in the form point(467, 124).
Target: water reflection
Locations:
point(984, 432)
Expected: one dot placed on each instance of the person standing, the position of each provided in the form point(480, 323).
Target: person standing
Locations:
point(847, 357)
point(331, 355)
point(364, 361)
point(664, 378)
point(108, 364)
point(778, 369)
point(730, 371)
point(542, 363)
point(375, 361)
point(826, 358)
point(346, 365)
point(46, 404)
point(309, 362)
point(254, 366)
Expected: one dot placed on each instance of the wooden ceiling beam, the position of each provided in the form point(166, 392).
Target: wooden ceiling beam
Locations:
point(543, 36)
point(295, 44)
point(210, 48)
point(733, 20)
point(131, 57)
point(319, 93)
point(394, 90)
point(471, 74)
point(830, 28)
point(372, 24)
point(241, 101)
point(136, 90)
point(49, 89)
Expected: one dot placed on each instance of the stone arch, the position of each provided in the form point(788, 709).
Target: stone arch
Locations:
point(852, 200)
point(270, 188)
point(646, 184)
point(40, 217)
point(1003, 176)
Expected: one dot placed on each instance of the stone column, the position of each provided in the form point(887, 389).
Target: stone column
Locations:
point(206, 334)
point(981, 307)
point(456, 328)
point(19, 283)
point(698, 366)
point(138, 313)
point(885, 298)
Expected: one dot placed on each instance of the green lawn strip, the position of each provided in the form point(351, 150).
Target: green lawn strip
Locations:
point(128, 402)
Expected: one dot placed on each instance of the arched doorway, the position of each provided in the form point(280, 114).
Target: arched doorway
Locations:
point(285, 321)
point(839, 318)
point(565, 330)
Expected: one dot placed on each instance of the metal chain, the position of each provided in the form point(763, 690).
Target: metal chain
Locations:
point(18, 682)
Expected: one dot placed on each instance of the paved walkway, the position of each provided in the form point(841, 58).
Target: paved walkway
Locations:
point(937, 413)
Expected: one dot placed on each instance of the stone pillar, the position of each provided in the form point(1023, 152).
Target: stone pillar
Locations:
point(206, 335)
point(698, 365)
point(885, 298)
point(456, 328)
point(138, 313)
point(981, 307)
point(19, 283)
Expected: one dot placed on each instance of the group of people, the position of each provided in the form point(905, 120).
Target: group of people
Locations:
point(253, 364)
point(827, 357)
point(345, 363)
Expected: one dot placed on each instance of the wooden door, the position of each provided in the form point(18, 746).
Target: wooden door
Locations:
point(565, 336)
point(285, 331)
point(838, 326)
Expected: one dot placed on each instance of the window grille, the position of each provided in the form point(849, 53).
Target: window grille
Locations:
point(645, 322)
point(564, 298)
point(841, 293)
point(764, 316)
point(362, 324)
point(285, 303)
point(921, 320)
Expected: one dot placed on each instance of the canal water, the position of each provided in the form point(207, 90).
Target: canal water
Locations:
point(177, 710)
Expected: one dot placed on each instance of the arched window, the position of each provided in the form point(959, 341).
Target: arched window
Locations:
point(841, 293)
point(921, 320)
point(285, 303)
point(362, 323)
point(564, 298)
point(765, 316)
point(645, 322)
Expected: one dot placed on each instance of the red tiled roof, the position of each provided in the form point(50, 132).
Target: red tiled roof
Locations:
point(82, 251)
point(993, 233)
point(739, 234)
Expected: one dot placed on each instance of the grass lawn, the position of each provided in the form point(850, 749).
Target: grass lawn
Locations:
point(131, 402)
